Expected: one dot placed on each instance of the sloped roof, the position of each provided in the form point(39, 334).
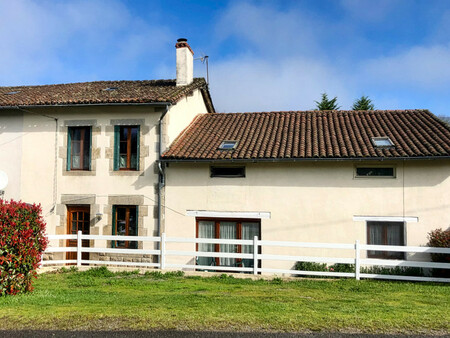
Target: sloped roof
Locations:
point(312, 135)
point(97, 93)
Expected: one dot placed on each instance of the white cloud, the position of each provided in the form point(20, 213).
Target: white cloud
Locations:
point(369, 10)
point(74, 41)
point(426, 68)
point(248, 84)
point(268, 31)
point(283, 66)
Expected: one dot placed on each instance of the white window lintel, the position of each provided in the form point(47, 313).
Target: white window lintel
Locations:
point(410, 219)
point(228, 214)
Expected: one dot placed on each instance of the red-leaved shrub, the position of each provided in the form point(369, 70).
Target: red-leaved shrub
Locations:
point(441, 239)
point(22, 243)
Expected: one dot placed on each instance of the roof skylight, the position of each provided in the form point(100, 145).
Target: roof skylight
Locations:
point(110, 89)
point(228, 145)
point(14, 92)
point(383, 141)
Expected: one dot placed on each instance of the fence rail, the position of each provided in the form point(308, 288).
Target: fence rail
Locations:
point(255, 256)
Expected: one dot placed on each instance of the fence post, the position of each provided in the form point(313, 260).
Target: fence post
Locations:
point(162, 257)
point(79, 234)
point(357, 260)
point(255, 255)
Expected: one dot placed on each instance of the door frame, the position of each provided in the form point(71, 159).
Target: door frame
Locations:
point(73, 243)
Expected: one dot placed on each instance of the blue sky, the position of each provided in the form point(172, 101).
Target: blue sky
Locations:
point(264, 55)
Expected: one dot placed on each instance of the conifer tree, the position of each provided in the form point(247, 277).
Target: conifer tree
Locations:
point(327, 104)
point(363, 103)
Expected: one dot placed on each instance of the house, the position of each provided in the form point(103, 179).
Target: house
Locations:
point(380, 177)
point(88, 152)
point(150, 157)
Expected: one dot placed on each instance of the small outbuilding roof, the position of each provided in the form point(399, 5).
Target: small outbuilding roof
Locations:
point(291, 135)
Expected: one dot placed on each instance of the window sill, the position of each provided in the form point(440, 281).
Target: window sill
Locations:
point(79, 173)
point(125, 172)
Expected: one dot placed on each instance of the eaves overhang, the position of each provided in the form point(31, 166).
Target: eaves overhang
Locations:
point(330, 159)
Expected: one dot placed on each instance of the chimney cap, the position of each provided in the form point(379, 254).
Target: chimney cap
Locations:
point(182, 40)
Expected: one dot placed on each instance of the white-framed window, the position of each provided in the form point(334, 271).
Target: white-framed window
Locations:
point(385, 233)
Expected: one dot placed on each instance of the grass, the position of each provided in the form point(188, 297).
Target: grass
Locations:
point(98, 299)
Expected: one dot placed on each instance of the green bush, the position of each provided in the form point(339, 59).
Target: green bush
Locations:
point(342, 267)
point(310, 266)
point(397, 270)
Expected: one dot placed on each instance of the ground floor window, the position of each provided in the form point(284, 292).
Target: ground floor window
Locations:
point(125, 224)
point(227, 229)
point(385, 233)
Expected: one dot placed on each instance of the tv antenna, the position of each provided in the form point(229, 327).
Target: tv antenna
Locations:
point(204, 59)
point(3, 183)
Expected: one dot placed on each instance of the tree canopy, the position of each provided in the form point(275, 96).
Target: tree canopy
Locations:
point(363, 103)
point(327, 104)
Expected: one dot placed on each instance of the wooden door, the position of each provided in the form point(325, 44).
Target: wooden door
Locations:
point(78, 218)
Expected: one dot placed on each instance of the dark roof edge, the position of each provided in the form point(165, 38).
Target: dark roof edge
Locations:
point(162, 103)
point(331, 159)
point(207, 99)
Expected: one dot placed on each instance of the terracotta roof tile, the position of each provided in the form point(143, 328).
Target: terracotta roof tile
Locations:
point(96, 93)
point(312, 135)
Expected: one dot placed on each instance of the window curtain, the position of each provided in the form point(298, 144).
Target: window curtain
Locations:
point(206, 229)
point(394, 236)
point(249, 230)
point(228, 231)
point(375, 236)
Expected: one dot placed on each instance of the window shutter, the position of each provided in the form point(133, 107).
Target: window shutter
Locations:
point(137, 215)
point(135, 244)
point(113, 243)
point(90, 146)
point(69, 145)
point(138, 152)
point(116, 147)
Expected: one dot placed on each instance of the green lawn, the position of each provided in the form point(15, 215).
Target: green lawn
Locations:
point(102, 300)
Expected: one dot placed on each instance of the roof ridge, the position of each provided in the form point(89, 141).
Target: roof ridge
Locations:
point(196, 79)
point(329, 111)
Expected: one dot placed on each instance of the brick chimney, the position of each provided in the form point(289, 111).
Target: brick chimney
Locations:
point(185, 63)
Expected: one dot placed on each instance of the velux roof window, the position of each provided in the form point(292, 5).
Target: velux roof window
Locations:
point(228, 145)
point(383, 141)
point(111, 89)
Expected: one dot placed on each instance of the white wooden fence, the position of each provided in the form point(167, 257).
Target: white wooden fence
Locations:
point(258, 246)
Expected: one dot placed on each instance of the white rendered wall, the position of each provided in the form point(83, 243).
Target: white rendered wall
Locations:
point(312, 201)
point(11, 134)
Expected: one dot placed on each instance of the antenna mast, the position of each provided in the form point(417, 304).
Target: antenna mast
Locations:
point(204, 59)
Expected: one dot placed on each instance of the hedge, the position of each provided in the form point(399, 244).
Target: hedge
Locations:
point(22, 243)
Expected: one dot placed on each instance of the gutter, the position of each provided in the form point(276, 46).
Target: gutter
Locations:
point(334, 159)
point(161, 167)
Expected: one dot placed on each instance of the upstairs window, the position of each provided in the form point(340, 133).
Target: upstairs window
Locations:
point(228, 172)
point(125, 224)
point(79, 148)
point(375, 172)
point(126, 148)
